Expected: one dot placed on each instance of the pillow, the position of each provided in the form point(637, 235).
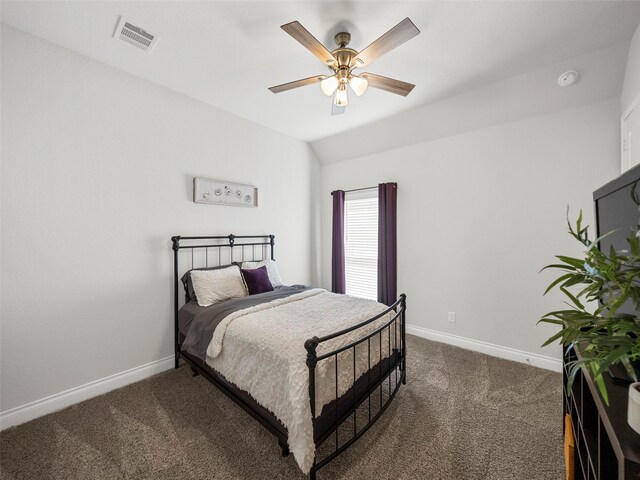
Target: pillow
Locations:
point(188, 284)
point(272, 270)
point(257, 280)
point(212, 286)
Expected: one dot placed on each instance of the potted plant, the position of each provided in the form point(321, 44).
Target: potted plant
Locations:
point(596, 287)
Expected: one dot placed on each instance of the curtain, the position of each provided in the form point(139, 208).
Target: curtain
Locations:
point(337, 244)
point(387, 243)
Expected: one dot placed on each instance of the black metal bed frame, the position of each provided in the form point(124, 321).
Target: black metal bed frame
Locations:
point(357, 401)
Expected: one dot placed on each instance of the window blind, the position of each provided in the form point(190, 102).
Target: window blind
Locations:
point(361, 243)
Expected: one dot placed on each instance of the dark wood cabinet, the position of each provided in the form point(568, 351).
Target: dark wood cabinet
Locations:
point(606, 447)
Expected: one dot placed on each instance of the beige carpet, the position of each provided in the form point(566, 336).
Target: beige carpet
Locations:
point(462, 415)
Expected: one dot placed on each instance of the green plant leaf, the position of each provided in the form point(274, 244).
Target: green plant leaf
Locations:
point(576, 302)
point(579, 222)
point(561, 266)
point(613, 357)
point(553, 338)
point(602, 387)
point(576, 279)
point(574, 368)
point(596, 242)
point(574, 262)
point(553, 321)
point(629, 368)
point(557, 281)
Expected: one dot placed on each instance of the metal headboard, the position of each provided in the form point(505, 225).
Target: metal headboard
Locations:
point(223, 248)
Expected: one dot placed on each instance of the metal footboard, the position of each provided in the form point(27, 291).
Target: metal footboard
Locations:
point(382, 379)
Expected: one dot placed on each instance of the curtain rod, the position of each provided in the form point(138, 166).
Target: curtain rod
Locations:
point(358, 189)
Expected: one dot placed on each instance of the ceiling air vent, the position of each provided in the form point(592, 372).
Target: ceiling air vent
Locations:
point(134, 35)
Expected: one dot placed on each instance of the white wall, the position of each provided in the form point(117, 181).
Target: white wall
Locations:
point(480, 213)
point(97, 169)
point(631, 86)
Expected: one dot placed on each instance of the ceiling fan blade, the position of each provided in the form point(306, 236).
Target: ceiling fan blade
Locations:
point(337, 109)
point(388, 84)
point(298, 83)
point(395, 37)
point(308, 41)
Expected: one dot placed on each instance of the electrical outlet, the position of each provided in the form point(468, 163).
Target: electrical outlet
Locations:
point(452, 317)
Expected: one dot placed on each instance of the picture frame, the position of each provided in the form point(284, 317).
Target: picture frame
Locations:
point(221, 192)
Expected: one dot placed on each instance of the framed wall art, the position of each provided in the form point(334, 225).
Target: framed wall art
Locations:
point(219, 192)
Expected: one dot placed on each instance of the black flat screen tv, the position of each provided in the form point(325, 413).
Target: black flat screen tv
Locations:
point(616, 210)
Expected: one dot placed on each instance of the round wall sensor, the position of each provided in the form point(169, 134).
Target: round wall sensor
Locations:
point(568, 78)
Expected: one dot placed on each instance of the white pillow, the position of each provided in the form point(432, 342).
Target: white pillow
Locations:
point(272, 270)
point(212, 286)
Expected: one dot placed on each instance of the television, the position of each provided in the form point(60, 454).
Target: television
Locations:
point(617, 211)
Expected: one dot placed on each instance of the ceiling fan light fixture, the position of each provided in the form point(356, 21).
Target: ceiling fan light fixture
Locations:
point(358, 84)
point(329, 85)
point(341, 99)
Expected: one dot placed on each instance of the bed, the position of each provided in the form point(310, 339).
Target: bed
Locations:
point(315, 368)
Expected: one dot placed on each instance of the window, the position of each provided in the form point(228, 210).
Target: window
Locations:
point(361, 243)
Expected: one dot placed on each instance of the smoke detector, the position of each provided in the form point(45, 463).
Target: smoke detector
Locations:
point(568, 78)
point(134, 35)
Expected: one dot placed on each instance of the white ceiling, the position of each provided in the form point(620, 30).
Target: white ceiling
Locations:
point(228, 53)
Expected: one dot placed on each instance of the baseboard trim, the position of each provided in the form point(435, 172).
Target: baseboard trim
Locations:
point(540, 361)
point(58, 401)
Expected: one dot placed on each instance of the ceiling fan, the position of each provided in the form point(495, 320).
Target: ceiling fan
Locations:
point(344, 60)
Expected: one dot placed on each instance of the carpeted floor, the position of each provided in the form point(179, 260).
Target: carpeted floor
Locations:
point(462, 415)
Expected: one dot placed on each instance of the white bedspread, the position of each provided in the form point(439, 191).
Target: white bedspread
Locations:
point(261, 350)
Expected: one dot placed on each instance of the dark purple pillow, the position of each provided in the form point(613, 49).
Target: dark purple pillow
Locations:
point(257, 280)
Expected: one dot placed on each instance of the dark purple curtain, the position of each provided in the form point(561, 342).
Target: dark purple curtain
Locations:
point(337, 244)
point(387, 243)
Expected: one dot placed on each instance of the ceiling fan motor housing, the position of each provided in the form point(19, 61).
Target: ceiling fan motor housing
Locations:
point(342, 39)
point(344, 56)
